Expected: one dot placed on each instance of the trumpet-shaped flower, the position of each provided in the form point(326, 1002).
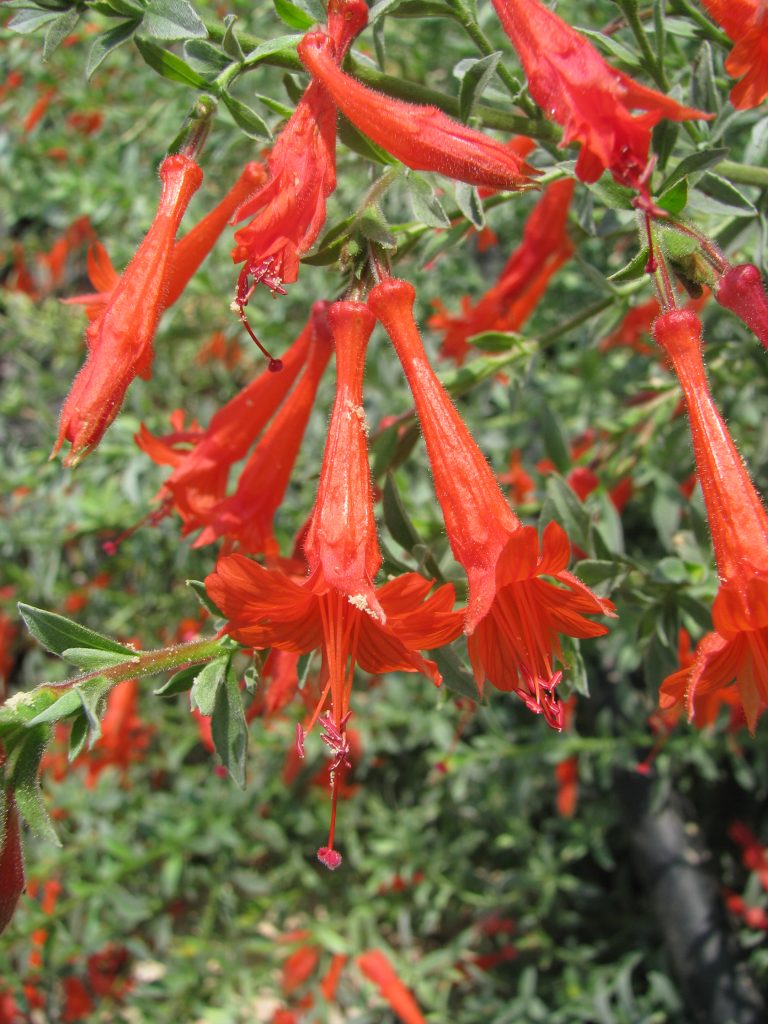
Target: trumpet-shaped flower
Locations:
point(120, 337)
point(337, 608)
point(289, 211)
point(741, 290)
point(200, 474)
point(521, 595)
point(523, 280)
point(580, 91)
point(423, 138)
point(745, 22)
point(738, 647)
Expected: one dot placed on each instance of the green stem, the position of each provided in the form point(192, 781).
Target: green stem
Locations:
point(655, 68)
point(710, 30)
point(744, 174)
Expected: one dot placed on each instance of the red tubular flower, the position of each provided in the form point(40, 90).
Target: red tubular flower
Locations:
point(199, 480)
point(378, 969)
point(11, 859)
point(745, 22)
point(120, 339)
point(591, 100)
point(741, 290)
point(247, 516)
point(738, 648)
point(514, 616)
point(337, 608)
point(290, 209)
point(423, 138)
point(525, 276)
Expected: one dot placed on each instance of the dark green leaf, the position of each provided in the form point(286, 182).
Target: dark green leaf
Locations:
point(675, 198)
point(204, 57)
point(396, 518)
point(727, 194)
point(358, 143)
point(206, 685)
point(563, 506)
point(634, 270)
point(457, 675)
point(555, 444)
point(203, 597)
point(104, 44)
point(281, 45)
point(77, 737)
point(169, 65)
point(692, 164)
point(230, 43)
point(58, 30)
point(475, 82)
point(293, 15)
point(372, 226)
point(246, 119)
point(229, 730)
point(57, 633)
point(468, 201)
point(172, 19)
point(179, 682)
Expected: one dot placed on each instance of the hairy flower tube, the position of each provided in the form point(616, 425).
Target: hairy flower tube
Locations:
point(740, 289)
point(11, 858)
point(246, 517)
point(202, 460)
point(515, 614)
point(745, 22)
point(738, 647)
point(423, 138)
point(289, 211)
point(337, 608)
point(120, 338)
point(593, 101)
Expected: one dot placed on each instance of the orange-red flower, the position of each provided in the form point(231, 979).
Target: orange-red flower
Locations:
point(740, 289)
point(523, 280)
point(202, 459)
point(423, 138)
point(580, 91)
point(745, 22)
point(738, 648)
point(11, 859)
point(378, 969)
point(289, 211)
point(514, 614)
point(246, 517)
point(337, 608)
point(120, 338)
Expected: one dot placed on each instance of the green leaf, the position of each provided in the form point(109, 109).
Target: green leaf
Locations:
point(495, 341)
point(634, 270)
point(374, 227)
point(29, 20)
point(57, 634)
point(555, 444)
point(457, 676)
point(179, 682)
point(24, 779)
point(613, 48)
point(229, 729)
point(282, 45)
point(67, 704)
point(692, 164)
point(172, 19)
point(128, 8)
point(206, 685)
point(360, 144)
point(88, 659)
point(612, 195)
point(424, 202)
point(105, 43)
point(293, 15)
point(675, 198)
point(58, 30)
point(169, 65)
point(470, 204)
point(725, 193)
point(563, 506)
point(77, 737)
point(396, 518)
point(202, 596)
point(475, 81)
point(274, 105)
point(246, 119)
point(230, 43)
point(206, 58)
point(93, 700)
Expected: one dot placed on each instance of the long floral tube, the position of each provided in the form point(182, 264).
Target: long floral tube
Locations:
point(423, 138)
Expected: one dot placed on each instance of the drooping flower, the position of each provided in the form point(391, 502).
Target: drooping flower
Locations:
point(514, 615)
point(740, 289)
point(202, 460)
point(120, 338)
point(423, 138)
point(289, 210)
point(188, 253)
point(738, 522)
point(745, 22)
point(246, 517)
point(523, 280)
point(593, 101)
point(337, 608)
